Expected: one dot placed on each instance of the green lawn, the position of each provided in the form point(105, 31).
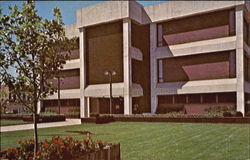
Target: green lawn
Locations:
point(159, 141)
point(11, 122)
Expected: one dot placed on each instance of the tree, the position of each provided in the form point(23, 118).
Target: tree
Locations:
point(31, 46)
point(4, 98)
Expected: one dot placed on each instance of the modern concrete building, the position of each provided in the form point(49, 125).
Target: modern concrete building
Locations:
point(193, 53)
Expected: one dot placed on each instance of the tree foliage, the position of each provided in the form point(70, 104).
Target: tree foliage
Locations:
point(31, 46)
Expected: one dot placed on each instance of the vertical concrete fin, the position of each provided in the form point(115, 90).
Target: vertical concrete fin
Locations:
point(153, 66)
point(239, 59)
point(127, 66)
point(82, 73)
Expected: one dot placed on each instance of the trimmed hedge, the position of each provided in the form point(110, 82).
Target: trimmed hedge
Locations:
point(104, 119)
point(42, 119)
point(168, 108)
point(98, 119)
point(45, 117)
point(188, 120)
point(162, 118)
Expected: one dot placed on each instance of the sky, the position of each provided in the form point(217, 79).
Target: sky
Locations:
point(68, 8)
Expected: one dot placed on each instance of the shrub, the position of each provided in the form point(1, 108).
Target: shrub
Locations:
point(104, 119)
point(248, 114)
point(56, 148)
point(94, 115)
point(217, 109)
point(72, 114)
point(167, 108)
point(238, 114)
point(227, 114)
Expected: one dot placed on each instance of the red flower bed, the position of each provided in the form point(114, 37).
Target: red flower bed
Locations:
point(54, 149)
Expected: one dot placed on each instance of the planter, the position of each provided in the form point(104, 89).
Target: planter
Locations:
point(109, 153)
point(98, 119)
point(104, 119)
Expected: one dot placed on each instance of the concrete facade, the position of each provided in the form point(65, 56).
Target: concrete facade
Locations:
point(171, 37)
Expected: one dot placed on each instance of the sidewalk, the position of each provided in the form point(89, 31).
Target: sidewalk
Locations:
point(68, 122)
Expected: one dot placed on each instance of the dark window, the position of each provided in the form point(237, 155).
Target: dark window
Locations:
point(180, 99)
point(194, 98)
point(209, 98)
point(227, 97)
point(165, 99)
point(179, 31)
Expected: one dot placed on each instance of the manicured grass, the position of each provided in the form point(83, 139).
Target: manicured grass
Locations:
point(4, 122)
point(158, 141)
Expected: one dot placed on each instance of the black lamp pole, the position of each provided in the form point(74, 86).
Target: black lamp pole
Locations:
point(110, 74)
point(59, 101)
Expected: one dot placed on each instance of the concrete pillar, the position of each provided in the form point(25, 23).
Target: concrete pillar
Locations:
point(88, 107)
point(153, 66)
point(82, 74)
point(248, 32)
point(248, 69)
point(239, 59)
point(127, 74)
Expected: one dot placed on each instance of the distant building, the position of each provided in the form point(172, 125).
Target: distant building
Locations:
point(190, 53)
point(8, 101)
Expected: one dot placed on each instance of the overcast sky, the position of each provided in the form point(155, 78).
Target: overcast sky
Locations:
point(68, 7)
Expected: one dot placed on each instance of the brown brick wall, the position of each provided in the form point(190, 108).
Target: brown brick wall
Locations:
point(102, 105)
point(197, 103)
point(104, 51)
point(141, 69)
point(69, 79)
point(201, 27)
point(196, 67)
point(67, 105)
point(246, 68)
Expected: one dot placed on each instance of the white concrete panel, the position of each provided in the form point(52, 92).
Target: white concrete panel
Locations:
point(102, 13)
point(71, 31)
point(103, 90)
point(191, 48)
point(176, 9)
point(136, 53)
point(82, 73)
point(71, 64)
point(127, 66)
point(66, 94)
point(201, 86)
point(153, 66)
point(137, 90)
point(240, 59)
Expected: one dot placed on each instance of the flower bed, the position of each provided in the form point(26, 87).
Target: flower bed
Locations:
point(64, 148)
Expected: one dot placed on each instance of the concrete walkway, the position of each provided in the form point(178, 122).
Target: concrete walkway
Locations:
point(68, 122)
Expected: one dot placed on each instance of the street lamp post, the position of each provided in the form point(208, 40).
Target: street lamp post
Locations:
point(110, 74)
point(59, 98)
point(58, 93)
